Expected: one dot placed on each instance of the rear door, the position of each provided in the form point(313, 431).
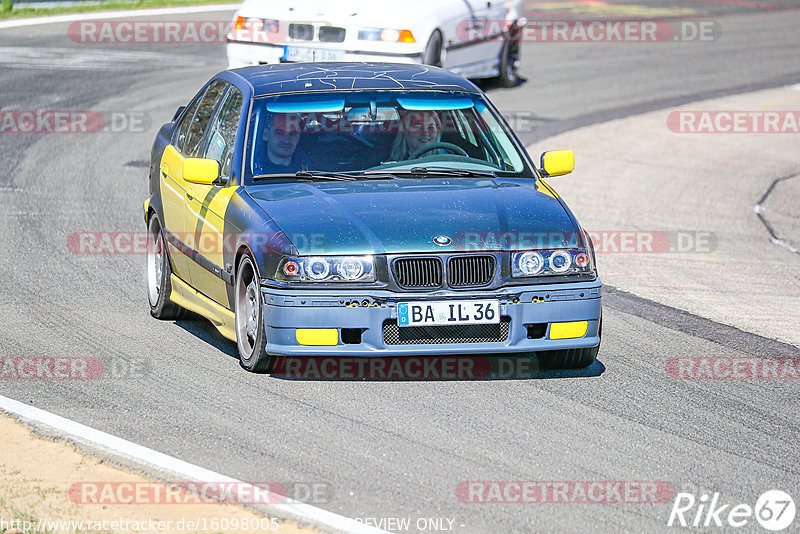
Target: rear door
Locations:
point(476, 41)
point(456, 23)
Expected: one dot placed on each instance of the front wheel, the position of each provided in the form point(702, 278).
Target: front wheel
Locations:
point(251, 339)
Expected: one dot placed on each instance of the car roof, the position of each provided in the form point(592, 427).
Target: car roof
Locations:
point(333, 76)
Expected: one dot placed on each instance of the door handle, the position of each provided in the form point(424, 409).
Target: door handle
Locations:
point(164, 170)
point(190, 193)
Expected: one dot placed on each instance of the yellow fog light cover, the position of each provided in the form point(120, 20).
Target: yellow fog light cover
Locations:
point(317, 336)
point(568, 330)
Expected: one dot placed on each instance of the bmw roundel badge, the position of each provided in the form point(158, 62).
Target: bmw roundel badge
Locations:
point(442, 240)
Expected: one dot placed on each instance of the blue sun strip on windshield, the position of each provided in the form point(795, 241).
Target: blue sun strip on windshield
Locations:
point(435, 104)
point(306, 106)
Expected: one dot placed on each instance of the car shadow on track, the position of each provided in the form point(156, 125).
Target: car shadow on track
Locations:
point(440, 367)
point(430, 368)
point(490, 84)
point(202, 329)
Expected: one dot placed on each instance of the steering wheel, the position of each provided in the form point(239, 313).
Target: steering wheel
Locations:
point(433, 146)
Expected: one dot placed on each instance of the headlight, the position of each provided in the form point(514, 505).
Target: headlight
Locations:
point(255, 24)
point(317, 268)
point(560, 261)
point(327, 269)
point(550, 262)
point(387, 35)
point(351, 268)
point(530, 263)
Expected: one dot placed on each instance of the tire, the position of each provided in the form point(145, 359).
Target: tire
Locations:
point(509, 59)
point(157, 277)
point(433, 50)
point(251, 340)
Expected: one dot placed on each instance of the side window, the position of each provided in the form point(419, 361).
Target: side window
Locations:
point(183, 129)
point(200, 120)
point(222, 135)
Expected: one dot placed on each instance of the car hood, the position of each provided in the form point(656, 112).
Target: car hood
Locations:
point(407, 215)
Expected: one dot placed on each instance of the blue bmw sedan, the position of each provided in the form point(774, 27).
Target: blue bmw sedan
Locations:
point(361, 209)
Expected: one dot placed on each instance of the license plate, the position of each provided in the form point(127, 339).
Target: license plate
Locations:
point(301, 53)
point(448, 312)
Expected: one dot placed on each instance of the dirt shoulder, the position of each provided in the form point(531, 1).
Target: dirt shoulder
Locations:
point(45, 486)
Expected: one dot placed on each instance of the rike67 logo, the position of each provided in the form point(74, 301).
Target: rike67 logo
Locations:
point(774, 510)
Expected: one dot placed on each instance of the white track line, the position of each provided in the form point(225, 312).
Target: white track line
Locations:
point(289, 508)
point(102, 15)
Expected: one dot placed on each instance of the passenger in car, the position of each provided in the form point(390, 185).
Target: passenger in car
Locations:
point(417, 129)
point(281, 134)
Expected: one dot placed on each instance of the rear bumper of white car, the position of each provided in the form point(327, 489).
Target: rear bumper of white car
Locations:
point(243, 54)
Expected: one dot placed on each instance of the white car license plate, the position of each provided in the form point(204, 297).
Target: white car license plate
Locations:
point(448, 312)
point(300, 53)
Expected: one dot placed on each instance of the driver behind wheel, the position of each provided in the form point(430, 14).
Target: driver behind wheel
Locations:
point(281, 136)
point(417, 129)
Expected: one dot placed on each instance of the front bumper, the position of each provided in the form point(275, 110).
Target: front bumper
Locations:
point(286, 311)
point(242, 54)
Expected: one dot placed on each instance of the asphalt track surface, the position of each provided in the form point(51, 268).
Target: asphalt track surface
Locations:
point(394, 449)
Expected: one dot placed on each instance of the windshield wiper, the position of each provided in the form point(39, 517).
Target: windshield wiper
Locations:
point(309, 175)
point(378, 174)
point(442, 171)
point(326, 175)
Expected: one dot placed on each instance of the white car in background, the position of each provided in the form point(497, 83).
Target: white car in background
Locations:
point(473, 38)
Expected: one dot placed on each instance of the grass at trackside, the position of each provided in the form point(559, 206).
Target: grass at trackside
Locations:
point(111, 5)
point(11, 514)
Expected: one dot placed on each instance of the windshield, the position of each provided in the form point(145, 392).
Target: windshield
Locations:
point(384, 131)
